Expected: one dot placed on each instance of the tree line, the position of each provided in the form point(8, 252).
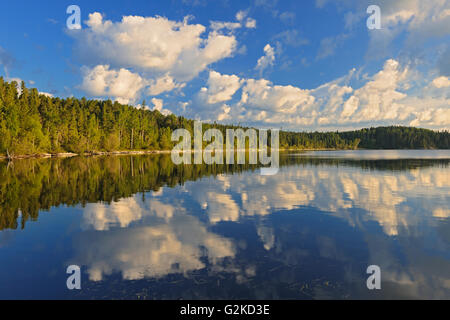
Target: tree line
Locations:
point(33, 123)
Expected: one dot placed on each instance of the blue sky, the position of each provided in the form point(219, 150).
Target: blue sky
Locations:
point(300, 65)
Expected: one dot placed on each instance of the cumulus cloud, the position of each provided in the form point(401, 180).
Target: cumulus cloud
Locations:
point(383, 100)
point(263, 96)
point(152, 44)
point(221, 88)
point(163, 84)
point(267, 59)
point(122, 85)
point(154, 55)
point(158, 105)
point(163, 53)
point(376, 99)
point(388, 97)
point(441, 82)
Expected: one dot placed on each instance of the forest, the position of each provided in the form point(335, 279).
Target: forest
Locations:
point(33, 123)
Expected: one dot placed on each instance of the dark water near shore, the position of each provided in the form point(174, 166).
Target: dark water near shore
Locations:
point(141, 228)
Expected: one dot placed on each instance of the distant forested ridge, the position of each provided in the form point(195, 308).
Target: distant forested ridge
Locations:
point(396, 137)
point(32, 123)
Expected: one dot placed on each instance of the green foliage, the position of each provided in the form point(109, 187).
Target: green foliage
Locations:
point(397, 137)
point(31, 123)
point(111, 142)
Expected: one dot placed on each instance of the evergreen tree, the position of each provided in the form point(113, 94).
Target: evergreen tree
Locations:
point(32, 123)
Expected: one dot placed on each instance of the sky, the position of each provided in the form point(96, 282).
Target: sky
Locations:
point(296, 65)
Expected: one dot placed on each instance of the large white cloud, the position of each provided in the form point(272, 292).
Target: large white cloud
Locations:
point(388, 97)
point(376, 100)
point(154, 55)
point(441, 82)
point(163, 84)
point(163, 53)
point(152, 44)
point(121, 84)
point(159, 106)
point(221, 88)
point(263, 95)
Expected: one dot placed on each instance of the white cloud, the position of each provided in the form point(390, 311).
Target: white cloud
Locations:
point(241, 15)
point(441, 82)
point(163, 84)
point(267, 59)
point(386, 98)
point(151, 43)
point(156, 55)
point(251, 23)
point(221, 88)
point(46, 94)
point(263, 96)
point(437, 117)
point(377, 98)
point(122, 85)
point(158, 105)
point(161, 52)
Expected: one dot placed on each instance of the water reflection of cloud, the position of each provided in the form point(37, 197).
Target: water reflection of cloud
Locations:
point(101, 216)
point(172, 242)
point(162, 235)
point(385, 197)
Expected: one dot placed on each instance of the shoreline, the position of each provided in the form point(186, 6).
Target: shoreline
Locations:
point(116, 153)
point(85, 154)
point(145, 152)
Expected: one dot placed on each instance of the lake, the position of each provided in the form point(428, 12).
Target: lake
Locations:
point(140, 227)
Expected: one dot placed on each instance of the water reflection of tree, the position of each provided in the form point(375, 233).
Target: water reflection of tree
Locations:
point(34, 185)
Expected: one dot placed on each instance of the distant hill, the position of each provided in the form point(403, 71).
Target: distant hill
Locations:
point(32, 123)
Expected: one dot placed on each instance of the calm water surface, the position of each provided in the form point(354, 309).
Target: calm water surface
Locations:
point(141, 228)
